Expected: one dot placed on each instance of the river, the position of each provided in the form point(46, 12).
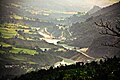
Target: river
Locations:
point(48, 39)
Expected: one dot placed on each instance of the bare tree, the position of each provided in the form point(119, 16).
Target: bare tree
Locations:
point(109, 30)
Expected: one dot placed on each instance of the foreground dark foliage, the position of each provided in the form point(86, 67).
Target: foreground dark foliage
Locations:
point(109, 69)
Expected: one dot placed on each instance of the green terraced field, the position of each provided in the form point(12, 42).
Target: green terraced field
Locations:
point(9, 30)
point(16, 50)
point(4, 44)
point(8, 33)
point(24, 51)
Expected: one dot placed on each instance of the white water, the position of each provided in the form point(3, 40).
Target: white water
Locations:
point(48, 39)
point(53, 41)
point(44, 35)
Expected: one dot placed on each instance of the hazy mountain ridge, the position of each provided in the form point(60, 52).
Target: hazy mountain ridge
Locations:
point(82, 17)
point(105, 10)
point(94, 9)
point(87, 31)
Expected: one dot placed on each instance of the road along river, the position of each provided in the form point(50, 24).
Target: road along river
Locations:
point(48, 39)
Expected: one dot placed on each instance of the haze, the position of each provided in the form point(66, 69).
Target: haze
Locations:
point(70, 5)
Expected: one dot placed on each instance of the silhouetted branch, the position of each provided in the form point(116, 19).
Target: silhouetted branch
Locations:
point(109, 30)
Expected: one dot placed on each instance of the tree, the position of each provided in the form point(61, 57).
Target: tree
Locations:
point(108, 29)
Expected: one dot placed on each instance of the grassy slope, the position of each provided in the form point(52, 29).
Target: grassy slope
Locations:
point(10, 31)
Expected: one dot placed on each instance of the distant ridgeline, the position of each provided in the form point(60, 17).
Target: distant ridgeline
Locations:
point(86, 34)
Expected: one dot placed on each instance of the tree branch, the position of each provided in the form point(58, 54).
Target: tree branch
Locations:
point(108, 30)
point(107, 27)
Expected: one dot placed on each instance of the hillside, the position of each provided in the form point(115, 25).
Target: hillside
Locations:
point(93, 10)
point(103, 70)
point(82, 16)
point(85, 32)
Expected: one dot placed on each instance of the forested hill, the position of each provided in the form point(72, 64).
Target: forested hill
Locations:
point(104, 70)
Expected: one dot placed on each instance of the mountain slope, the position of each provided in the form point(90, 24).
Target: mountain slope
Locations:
point(82, 17)
point(87, 31)
point(94, 9)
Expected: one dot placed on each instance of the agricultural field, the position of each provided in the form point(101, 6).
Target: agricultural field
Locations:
point(23, 51)
point(9, 30)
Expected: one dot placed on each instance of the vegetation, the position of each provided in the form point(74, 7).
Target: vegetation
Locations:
point(16, 17)
point(8, 30)
point(4, 44)
point(8, 33)
point(23, 51)
point(103, 70)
